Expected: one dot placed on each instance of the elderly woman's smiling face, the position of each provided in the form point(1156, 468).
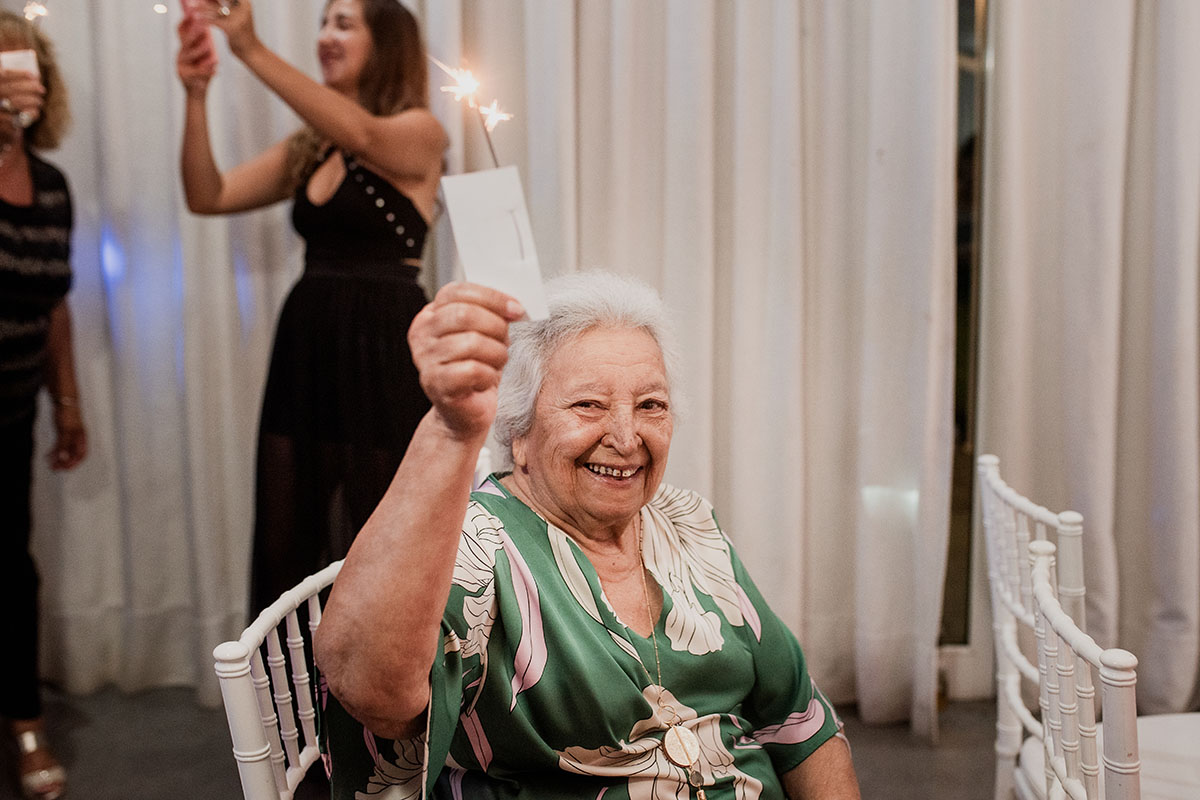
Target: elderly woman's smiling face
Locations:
point(601, 431)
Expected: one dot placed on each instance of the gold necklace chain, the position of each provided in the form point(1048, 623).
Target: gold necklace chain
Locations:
point(646, 599)
point(680, 745)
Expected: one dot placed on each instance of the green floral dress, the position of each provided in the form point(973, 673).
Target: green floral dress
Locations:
point(541, 692)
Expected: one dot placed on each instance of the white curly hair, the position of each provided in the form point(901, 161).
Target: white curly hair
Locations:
point(577, 303)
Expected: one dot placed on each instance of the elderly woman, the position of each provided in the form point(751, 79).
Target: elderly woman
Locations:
point(575, 628)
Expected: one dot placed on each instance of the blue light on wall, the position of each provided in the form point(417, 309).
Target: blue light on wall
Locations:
point(112, 258)
point(245, 288)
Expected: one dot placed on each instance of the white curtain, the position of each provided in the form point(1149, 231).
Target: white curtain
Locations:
point(1091, 218)
point(782, 171)
point(144, 549)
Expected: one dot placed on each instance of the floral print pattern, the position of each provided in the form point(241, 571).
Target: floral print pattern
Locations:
point(544, 682)
point(641, 756)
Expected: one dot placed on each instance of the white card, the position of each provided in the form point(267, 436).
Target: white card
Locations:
point(492, 232)
point(24, 60)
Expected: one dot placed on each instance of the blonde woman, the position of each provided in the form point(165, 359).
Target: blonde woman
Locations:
point(35, 352)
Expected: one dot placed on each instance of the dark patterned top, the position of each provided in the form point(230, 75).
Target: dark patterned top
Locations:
point(35, 274)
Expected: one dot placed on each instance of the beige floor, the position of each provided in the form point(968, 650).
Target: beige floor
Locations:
point(158, 745)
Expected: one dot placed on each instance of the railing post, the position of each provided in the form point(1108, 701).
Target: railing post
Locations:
point(250, 746)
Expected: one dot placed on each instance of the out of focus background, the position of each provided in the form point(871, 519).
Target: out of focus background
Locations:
point(896, 235)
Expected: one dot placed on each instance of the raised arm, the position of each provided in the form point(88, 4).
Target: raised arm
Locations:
point(827, 774)
point(261, 181)
point(403, 146)
point(381, 628)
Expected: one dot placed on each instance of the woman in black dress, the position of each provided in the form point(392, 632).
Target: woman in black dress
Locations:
point(35, 351)
point(342, 396)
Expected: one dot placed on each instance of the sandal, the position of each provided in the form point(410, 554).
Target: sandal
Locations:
point(45, 783)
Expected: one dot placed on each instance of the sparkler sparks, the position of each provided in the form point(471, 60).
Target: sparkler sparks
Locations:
point(34, 10)
point(493, 116)
point(466, 87)
point(465, 84)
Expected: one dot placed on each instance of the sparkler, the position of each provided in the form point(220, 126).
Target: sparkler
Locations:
point(493, 116)
point(466, 87)
point(465, 84)
point(34, 11)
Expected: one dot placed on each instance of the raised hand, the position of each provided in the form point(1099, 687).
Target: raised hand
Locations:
point(21, 95)
point(459, 344)
point(234, 17)
point(197, 59)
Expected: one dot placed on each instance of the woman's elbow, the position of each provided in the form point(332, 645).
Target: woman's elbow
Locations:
point(387, 715)
point(333, 660)
point(389, 707)
point(200, 206)
point(202, 195)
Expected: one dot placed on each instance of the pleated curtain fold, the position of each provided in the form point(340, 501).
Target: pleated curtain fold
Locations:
point(781, 171)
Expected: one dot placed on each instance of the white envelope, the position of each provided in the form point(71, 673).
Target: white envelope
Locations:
point(493, 236)
point(24, 60)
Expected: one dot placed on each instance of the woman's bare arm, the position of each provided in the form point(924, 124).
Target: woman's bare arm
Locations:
point(382, 625)
point(403, 146)
point(259, 182)
point(827, 774)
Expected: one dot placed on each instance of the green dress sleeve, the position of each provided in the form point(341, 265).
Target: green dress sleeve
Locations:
point(792, 717)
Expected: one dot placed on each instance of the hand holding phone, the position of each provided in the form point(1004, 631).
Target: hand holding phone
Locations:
point(23, 60)
point(21, 96)
point(196, 62)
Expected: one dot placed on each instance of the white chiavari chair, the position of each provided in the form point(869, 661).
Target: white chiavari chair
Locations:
point(272, 711)
point(1010, 522)
point(1169, 743)
point(1068, 660)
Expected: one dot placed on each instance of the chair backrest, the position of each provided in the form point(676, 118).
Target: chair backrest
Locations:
point(1010, 522)
point(1066, 658)
point(264, 706)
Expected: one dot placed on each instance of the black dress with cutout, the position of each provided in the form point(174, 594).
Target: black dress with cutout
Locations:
point(342, 396)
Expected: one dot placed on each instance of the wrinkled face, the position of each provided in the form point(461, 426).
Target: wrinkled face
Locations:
point(601, 431)
point(343, 45)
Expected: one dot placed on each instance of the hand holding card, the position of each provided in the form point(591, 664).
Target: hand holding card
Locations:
point(493, 235)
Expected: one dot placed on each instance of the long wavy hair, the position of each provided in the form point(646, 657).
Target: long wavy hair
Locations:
point(47, 132)
point(394, 78)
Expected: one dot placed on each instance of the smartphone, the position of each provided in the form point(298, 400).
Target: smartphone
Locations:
point(24, 60)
